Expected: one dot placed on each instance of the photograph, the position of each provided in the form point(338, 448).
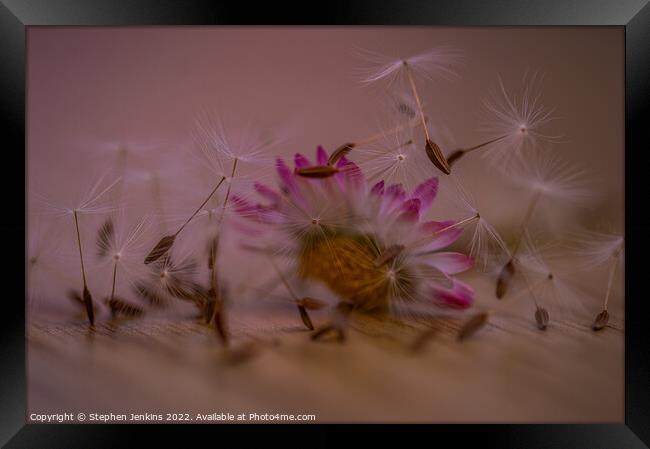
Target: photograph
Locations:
point(325, 224)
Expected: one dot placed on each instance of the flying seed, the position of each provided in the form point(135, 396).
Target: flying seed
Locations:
point(472, 325)
point(161, 248)
point(321, 171)
point(436, 157)
point(601, 320)
point(504, 279)
point(541, 316)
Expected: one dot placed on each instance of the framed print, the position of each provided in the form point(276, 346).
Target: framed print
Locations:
point(406, 214)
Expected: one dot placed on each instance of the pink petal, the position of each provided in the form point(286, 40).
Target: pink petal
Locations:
point(412, 205)
point(301, 161)
point(242, 206)
point(255, 211)
point(450, 263)
point(378, 189)
point(426, 193)
point(287, 182)
point(267, 193)
point(350, 174)
point(394, 196)
point(410, 211)
point(395, 191)
point(321, 155)
point(460, 295)
point(443, 239)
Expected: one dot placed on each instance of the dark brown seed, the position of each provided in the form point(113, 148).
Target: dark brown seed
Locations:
point(121, 307)
point(472, 325)
point(340, 152)
point(321, 171)
point(311, 303)
point(161, 248)
point(305, 318)
point(90, 309)
point(504, 279)
point(104, 238)
point(541, 316)
point(388, 255)
point(601, 320)
point(453, 157)
point(436, 157)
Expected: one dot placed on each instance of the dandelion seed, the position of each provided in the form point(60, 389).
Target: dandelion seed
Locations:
point(516, 122)
point(88, 300)
point(428, 64)
point(547, 178)
point(300, 303)
point(435, 63)
point(551, 284)
point(598, 249)
point(92, 202)
point(486, 246)
point(122, 247)
point(166, 243)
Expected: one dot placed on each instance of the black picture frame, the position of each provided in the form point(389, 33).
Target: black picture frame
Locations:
point(633, 15)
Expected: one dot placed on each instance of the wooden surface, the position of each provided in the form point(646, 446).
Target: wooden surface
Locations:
point(507, 372)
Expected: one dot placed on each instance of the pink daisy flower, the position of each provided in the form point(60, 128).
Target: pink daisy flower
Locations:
point(370, 245)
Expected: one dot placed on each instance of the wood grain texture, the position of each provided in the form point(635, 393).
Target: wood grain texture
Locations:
point(508, 371)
